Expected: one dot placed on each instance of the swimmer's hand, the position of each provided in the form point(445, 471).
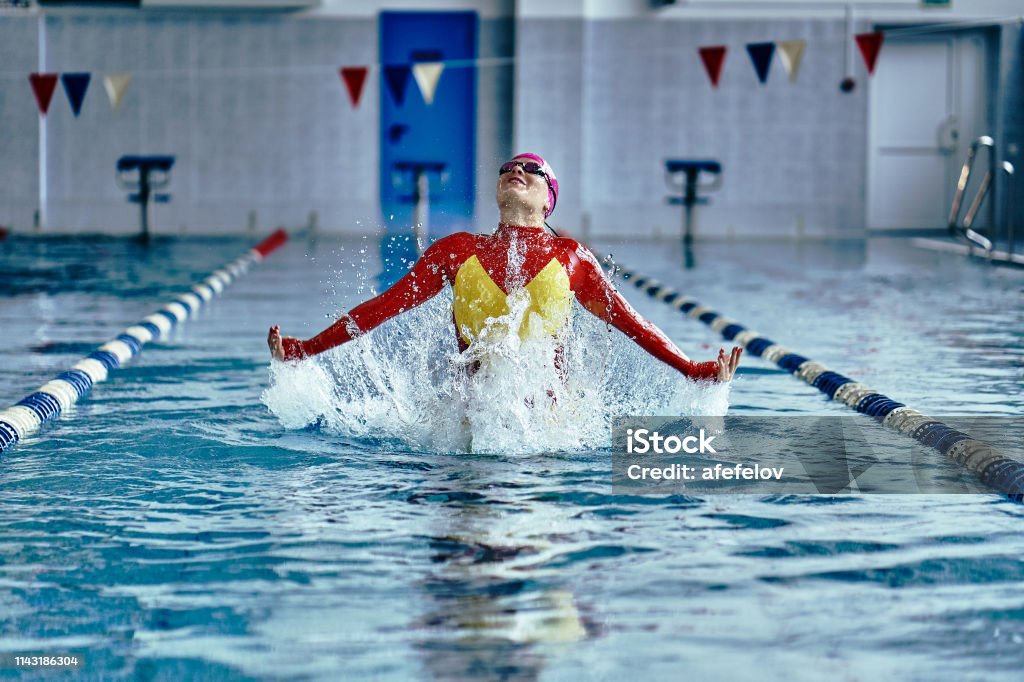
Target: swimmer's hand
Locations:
point(283, 347)
point(275, 343)
point(727, 366)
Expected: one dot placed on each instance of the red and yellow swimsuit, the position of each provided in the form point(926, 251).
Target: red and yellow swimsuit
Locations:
point(485, 271)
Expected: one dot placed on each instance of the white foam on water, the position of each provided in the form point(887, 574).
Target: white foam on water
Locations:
point(407, 382)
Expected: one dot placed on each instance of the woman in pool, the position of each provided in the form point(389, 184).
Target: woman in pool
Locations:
point(522, 263)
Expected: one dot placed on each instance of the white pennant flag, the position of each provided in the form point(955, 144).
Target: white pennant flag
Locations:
point(115, 85)
point(427, 74)
point(791, 52)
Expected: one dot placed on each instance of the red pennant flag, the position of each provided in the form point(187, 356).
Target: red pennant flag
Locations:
point(869, 44)
point(354, 77)
point(713, 58)
point(43, 85)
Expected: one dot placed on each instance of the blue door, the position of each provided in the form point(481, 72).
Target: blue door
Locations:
point(440, 136)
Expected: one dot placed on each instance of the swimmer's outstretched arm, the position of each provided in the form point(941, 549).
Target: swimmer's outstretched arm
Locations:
point(426, 279)
point(597, 294)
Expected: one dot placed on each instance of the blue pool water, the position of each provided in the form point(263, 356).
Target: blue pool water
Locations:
point(196, 517)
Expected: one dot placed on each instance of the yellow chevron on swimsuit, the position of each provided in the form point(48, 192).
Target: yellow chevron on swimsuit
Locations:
point(480, 303)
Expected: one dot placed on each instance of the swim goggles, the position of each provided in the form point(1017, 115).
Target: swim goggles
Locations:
point(531, 167)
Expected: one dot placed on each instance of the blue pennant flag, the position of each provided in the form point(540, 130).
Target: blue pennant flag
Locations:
point(761, 55)
point(75, 85)
point(397, 77)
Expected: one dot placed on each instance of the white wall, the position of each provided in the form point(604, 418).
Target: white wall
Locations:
point(19, 127)
point(608, 101)
point(252, 106)
point(873, 10)
point(486, 9)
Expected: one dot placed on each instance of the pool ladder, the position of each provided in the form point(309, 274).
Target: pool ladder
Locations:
point(965, 229)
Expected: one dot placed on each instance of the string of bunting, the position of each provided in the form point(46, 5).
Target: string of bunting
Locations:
point(791, 53)
point(427, 75)
point(76, 85)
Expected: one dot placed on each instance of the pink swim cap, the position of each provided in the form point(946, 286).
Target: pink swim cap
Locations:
point(552, 180)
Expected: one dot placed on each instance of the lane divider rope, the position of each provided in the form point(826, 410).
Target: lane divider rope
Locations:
point(994, 467)
point(54, 397)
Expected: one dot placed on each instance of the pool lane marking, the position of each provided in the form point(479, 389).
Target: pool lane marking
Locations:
point(994, 467)
point(56, 396)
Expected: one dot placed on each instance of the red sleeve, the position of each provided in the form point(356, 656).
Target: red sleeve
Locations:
point(423, 282)
point(597, 294)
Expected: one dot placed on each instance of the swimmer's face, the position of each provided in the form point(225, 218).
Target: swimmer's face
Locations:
point(517, 185)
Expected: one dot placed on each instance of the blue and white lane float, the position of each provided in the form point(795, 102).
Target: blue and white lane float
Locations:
point(994, 467)
point(56, 396)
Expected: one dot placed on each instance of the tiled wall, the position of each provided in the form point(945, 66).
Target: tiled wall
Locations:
point(262, 128)
point(19, 128)
point(793, 154)
point(550, 106)
point(252, 108)
point(495, 85)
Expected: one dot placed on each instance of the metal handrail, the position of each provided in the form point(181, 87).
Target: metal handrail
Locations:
point(961, 186)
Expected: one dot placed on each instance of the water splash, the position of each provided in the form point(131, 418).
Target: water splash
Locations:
point(406, 383)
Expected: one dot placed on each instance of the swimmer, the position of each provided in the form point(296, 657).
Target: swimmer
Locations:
point(521, 260)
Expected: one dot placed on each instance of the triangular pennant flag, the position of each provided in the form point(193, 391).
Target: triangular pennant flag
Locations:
point(791, 52)
point(761, 55)
point(354, 78)
point(427, 74)
point(713, 58)
point(43, 85)
point(397, 77)
point(115, 84)
point(870, 44)
point(75, 86)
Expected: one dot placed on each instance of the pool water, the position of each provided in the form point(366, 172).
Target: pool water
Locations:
point(203, 516)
